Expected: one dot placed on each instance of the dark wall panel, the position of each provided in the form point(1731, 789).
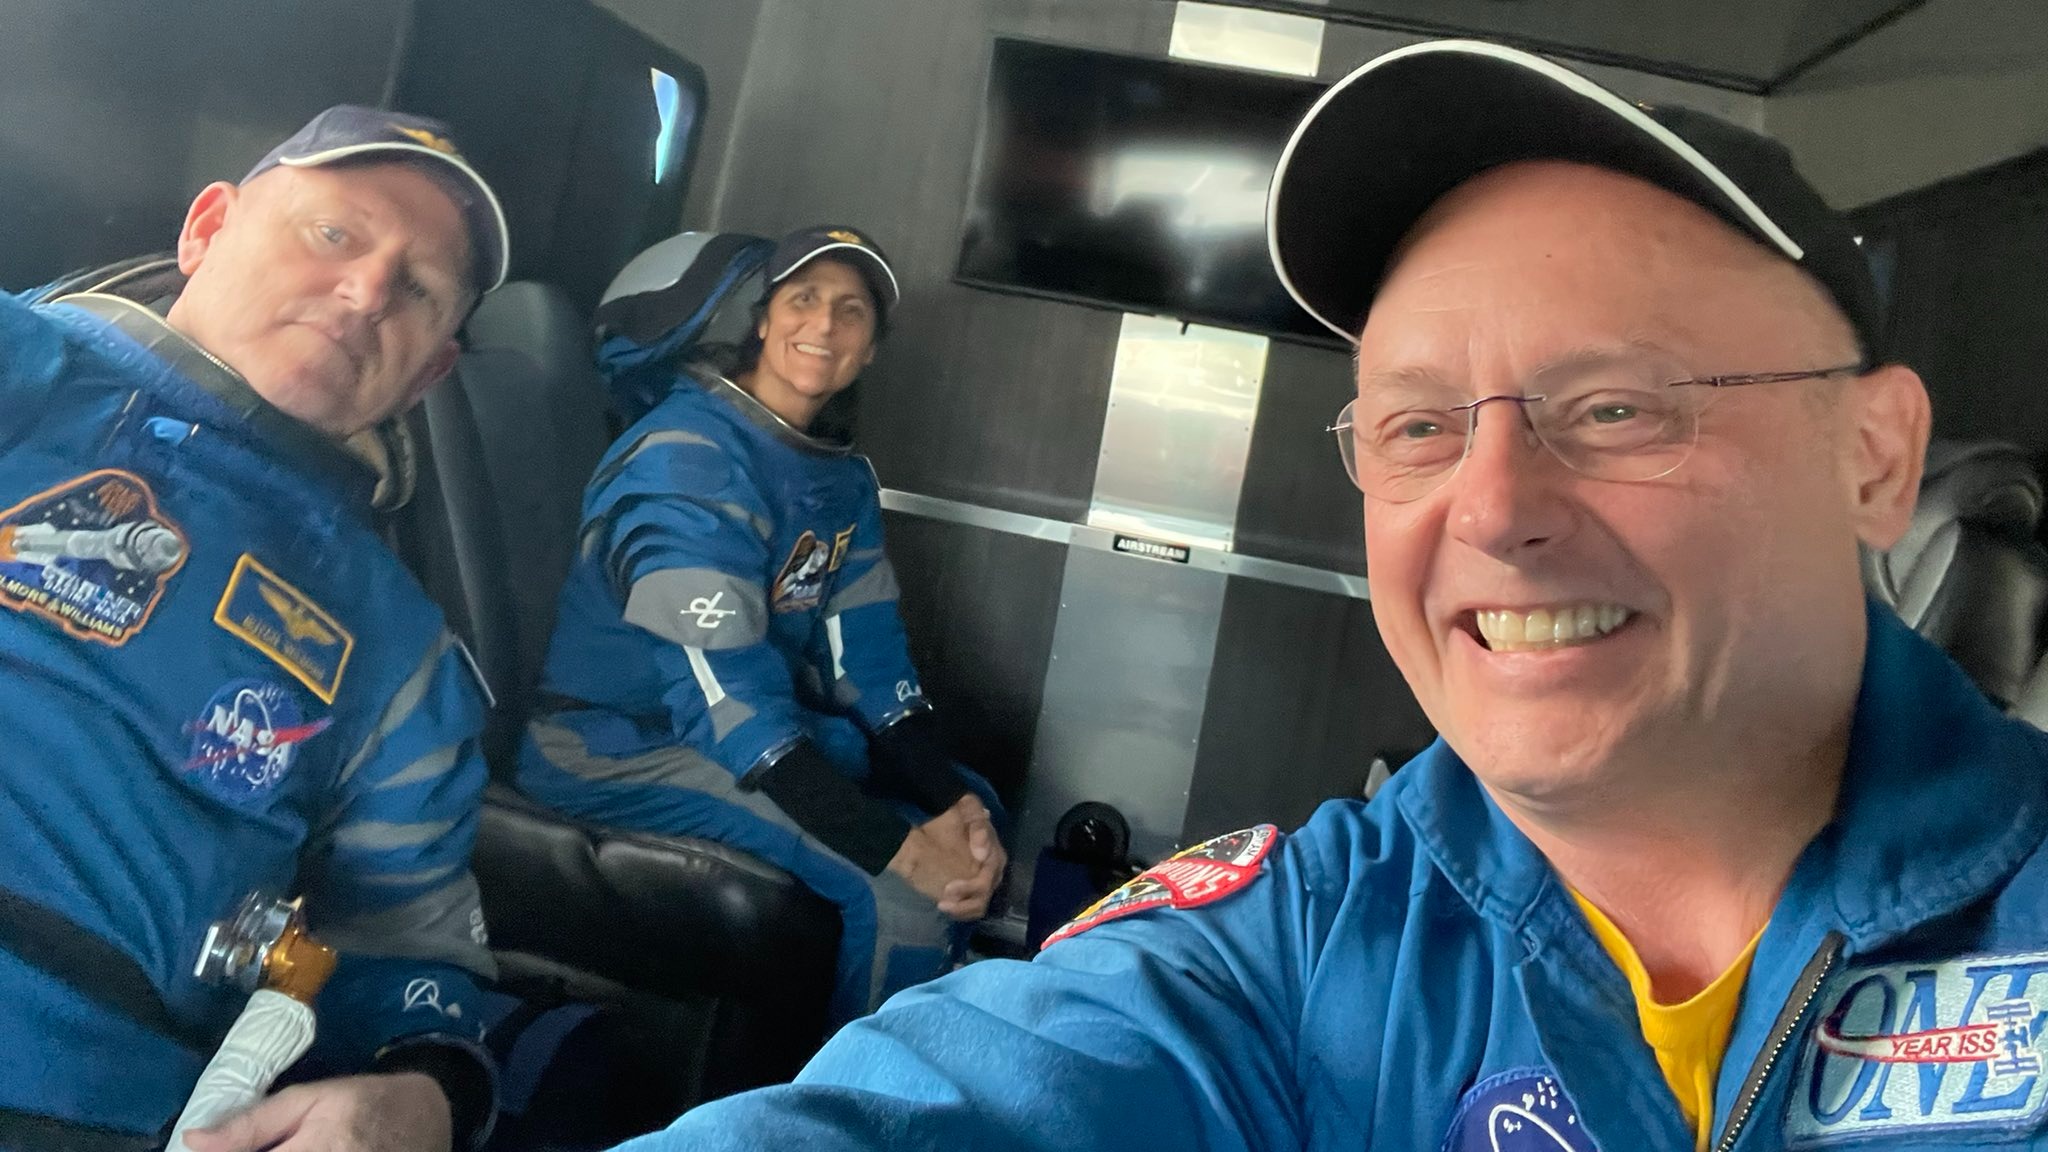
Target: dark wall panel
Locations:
point(1296, 504)
point(980, 606)
point(113, 113)
point(718, 36)
point(865, 112)
point(1967, 264)
point(1302, 697)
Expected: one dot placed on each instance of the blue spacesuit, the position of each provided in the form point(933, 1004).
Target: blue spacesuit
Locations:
point(731, 616)
point(214, 679)
point(1410, 975)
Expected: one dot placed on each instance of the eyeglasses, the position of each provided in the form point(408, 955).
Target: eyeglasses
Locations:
point(1400, 443)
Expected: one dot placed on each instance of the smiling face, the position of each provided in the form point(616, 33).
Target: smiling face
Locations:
point(817, 334)
point(1572, 636)
point(334, 291)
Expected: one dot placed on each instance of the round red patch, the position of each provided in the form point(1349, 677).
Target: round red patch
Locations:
point(1205, 873)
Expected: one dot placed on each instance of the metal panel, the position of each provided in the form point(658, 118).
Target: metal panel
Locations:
point(979, 607)
point(1297, 505)
point(1182, 399)
point(1272, 41)
point(1103, 540)
point(1123, 700)
point(994, 400)
point(1303, 696)
point(1745, 45)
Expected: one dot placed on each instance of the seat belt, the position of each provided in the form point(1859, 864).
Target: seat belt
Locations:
point(93, 967)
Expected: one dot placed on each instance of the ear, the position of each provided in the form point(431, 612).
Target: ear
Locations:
point(203, 221)
point(1890, 423)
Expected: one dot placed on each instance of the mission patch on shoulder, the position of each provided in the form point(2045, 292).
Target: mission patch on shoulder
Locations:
point(1203, 874)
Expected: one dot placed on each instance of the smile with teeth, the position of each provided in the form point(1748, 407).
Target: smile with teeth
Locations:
point(1507, 631)
point(813, 349)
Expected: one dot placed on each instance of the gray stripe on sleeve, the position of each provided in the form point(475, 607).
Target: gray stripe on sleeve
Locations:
point(408, 879)
point(876, 587)
point(699, 608)
point(382, 835)
point(434, 764)
point(401, 707)
point(651, 440)
point(727, 715)
point(445, 925)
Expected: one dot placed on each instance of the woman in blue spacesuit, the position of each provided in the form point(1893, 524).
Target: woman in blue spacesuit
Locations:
point(728, 661)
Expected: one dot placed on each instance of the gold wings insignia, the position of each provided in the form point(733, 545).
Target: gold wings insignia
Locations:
point(437, 143)
point(299, 623)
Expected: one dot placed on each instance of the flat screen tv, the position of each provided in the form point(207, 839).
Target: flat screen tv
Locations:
point(1132, 183)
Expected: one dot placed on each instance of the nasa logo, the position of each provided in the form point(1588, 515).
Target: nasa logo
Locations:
point(247, 738)
point(1921, 1048)
point(1203, 874)
point(1520, 1110)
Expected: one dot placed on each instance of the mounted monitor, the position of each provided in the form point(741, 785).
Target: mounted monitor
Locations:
point(1132, 183)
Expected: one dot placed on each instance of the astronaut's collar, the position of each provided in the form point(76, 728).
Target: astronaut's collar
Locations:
point(301, 443)
point(715, 382)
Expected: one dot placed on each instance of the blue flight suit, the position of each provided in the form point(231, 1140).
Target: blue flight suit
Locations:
point(731, 601)
point(214, 679)
point(1410, 975)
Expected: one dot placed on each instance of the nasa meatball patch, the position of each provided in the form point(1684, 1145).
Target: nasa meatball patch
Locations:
point(1911, 1050)
point(1203, 874)
point(1520, 1110)
point(92, 555)
point(245, 741)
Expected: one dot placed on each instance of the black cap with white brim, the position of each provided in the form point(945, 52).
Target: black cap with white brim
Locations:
point(1388, 140)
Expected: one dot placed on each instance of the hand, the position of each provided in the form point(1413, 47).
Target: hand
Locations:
point(403, 1112)
point(937, 854)
point(967, 900)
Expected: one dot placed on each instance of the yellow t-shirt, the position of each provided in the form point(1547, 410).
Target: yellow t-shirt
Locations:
point(1690, 1038)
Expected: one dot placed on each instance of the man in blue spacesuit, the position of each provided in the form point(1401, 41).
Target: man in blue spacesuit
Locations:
point(218, 681)
point(1714, 852)
point(728, 661)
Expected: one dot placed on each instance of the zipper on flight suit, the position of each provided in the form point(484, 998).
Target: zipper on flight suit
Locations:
point(1783, 1032)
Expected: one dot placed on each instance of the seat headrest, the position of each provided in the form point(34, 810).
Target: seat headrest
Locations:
point(531, 318)
point(1990, 485)
point(692, 294)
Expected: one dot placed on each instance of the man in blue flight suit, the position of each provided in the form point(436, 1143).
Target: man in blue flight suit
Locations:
point(218, 679)
point(1714, 852)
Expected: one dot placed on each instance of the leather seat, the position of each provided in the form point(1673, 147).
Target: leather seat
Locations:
point(739, 951)
point(1970, 573)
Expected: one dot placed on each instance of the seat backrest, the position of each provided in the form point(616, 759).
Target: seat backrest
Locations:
point(1969, 573)
point(510, 438)
point(665, 928)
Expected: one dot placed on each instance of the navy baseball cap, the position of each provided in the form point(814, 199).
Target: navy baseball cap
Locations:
point(349, 131)
point(839, 242)
point(1390, 139)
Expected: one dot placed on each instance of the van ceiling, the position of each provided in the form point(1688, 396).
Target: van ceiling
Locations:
point(1755, 46)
